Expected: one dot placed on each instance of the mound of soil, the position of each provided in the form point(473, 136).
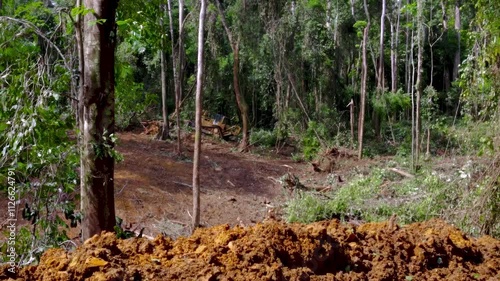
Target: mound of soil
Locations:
point(327, 250)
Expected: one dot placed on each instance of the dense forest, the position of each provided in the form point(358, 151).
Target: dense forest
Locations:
point(414, 79)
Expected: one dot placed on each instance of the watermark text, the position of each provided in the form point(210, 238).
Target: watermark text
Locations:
point(11, 220)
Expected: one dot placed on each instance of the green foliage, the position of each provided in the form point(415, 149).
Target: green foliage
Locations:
point(262, 137)
point(36, 134)
point(106, 148)
point(474, 138)
point(310, 143)
point(479, 72)
point(360, 26)
point(122, 233)
point(305, 207)
point(132, 102)
point(390, 103)
point(315, 4)
point(79, 11)
point(428, 195)
point(349, 201)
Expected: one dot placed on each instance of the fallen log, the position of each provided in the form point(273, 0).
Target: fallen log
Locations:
point(403, 173)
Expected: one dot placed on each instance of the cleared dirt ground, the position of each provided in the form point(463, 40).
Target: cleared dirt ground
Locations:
point(240, 239)
point(153, 184)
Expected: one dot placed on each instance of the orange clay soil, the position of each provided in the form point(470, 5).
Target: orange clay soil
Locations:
point(328, 250)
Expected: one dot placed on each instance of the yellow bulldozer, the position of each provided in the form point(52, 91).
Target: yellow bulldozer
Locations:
point(217, 126)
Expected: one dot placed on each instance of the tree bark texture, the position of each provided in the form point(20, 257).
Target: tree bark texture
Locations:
point(96, 104)
point(364, 75)
point(180, 74)
point(163, 134)
point(380, 84)
point(240, 99)
point(197, 138)
point(458, 26)
point(394, 46)
point(419, 83)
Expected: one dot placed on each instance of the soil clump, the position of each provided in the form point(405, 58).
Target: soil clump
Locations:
point(272, 250)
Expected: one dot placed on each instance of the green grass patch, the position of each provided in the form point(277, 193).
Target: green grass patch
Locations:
point(377, 196)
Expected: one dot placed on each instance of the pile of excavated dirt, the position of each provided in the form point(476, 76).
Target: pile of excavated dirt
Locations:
point(328, 250)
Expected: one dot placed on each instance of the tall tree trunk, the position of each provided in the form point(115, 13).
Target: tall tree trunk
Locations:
point(446, 72)
point(412, 90)
point(79, 48)
point(380, 84)
point(351, 119)
point(97, 109)
point(419, 84)
point(380, 81)
point(199, 99)
point(394, 47)
point(362, 106)
point(408, 57)
point(364, 76)
point(176, 63)
point(180, 74)
point(240, 99)
point(458, 26)
point(164, 132)
point(445, 18)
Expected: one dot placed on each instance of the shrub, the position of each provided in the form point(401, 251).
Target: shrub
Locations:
point(428, 195)
point(262, 137)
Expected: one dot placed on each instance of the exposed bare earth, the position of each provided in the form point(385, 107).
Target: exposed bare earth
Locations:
point(153, 185)
point(327, 250)
point(152, 189)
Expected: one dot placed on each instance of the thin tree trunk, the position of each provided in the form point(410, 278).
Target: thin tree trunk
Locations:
point(458, 26)
point(419, 84)
point(394, 48)
point(81, 63)
point(180, 75)
point(240, 99)
point(445, 18)
point(393, 58)
point(412, 75)
point(328, 17)
point(197, 138)
point(380, 82)
point(175, 72)
point(431, 49)
point(97, 108)
point(428, 150)
point(364, 74)
point(445, 78)
point(164, 132)
point(407, 61)
point(351, 114)
point(381, 49)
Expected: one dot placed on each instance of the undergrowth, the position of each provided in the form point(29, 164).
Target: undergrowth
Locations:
point(457, 198)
